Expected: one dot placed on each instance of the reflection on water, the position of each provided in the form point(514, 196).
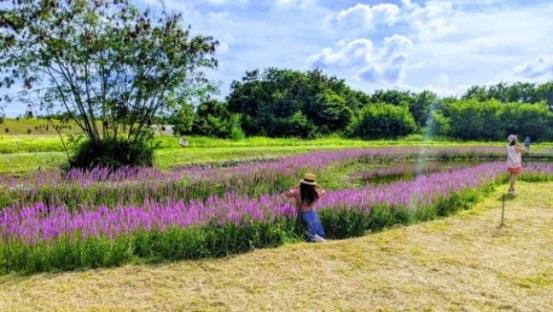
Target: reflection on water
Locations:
point(405, 171)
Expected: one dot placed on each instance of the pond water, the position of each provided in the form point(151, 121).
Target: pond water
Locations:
point(405, 171)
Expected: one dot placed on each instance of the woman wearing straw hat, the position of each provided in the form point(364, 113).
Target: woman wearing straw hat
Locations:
point(514, 160)
point(306, 195)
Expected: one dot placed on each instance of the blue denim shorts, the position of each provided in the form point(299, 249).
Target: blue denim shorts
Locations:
point(312, 224)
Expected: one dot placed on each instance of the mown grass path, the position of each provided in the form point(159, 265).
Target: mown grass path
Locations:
point(463, 262)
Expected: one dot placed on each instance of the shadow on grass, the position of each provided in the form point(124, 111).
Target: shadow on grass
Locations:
point(507, 197)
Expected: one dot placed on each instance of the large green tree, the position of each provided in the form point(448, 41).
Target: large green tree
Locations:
point(281, 102)
point(106, 63)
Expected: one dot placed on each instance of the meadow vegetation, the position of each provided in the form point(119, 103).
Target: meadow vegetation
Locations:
point(460, 262)
point(89, 184)
point(104, 218)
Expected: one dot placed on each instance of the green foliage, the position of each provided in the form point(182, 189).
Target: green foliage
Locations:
point(534, 120)
point(283, 102)
point(213, 240)
point(438, 124)
point(473, 119)
point(382, 121)
point(151, 246)
point(339, 224)
point(102, 61)
point(112, 154)
point(297, 125)
point(520, 92)
point(329, 112)
point(236, 132)
point(213, 119)
point(492, 120)
point(418, 104)
point(182, 119)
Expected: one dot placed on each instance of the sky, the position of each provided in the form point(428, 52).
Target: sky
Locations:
point(442, 46)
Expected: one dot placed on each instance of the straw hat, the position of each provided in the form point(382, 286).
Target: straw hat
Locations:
point(309, 179)
point(511, 138)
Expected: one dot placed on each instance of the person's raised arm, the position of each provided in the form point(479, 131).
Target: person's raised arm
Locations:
point(291, 193)
point(320, 191)
point(521, 149)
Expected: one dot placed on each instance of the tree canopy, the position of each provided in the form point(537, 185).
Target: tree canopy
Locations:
point(101, 61)
point(522, 92)
point(281, 102)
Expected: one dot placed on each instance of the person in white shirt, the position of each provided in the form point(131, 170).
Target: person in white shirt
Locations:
point(514, 160)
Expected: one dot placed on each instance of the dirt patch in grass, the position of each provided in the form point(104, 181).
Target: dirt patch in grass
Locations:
point(459, 263)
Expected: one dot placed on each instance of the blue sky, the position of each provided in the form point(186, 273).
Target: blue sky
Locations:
point(443, 46)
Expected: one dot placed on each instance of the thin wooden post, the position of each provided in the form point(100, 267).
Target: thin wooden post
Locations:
point(502, 210)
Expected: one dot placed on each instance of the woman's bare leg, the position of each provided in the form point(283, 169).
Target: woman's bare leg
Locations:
point(513, 180)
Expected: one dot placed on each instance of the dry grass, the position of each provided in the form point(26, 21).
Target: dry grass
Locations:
point(459, 263)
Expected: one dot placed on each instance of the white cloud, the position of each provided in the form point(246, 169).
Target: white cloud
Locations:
point(396, 44)
point(468, 41)
point(302, 4)
point(539, 69)
point(365, 16)
point(219, 15)
point(359, 57)
point(430, 21)
point(426, 21)
point(224, 2)
point(347, 53)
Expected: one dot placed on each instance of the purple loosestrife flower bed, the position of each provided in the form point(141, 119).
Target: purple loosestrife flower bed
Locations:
point(39, 222)
point(41, 238)
point(134, 185)
point(285, 165)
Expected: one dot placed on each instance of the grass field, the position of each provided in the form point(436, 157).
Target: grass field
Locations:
point(24, 153)
point(458, 263)
point(35, 126)
point(52, 143)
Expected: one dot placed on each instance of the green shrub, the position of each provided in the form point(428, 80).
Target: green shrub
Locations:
point(112, 154)
point(382, 121)
point(236, 132)
point(344, 223)
point(152, 246)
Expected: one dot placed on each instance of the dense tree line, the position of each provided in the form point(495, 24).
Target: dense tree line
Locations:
point(287, 103)
point(491, 120)
point(283, 103)
point(521, 92)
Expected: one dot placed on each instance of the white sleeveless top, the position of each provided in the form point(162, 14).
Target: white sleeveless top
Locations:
point(514, 159)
